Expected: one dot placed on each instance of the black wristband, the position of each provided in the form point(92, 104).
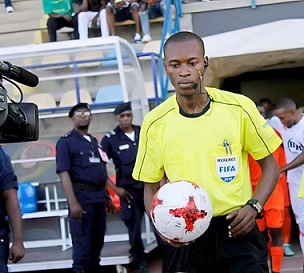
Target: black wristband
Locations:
point(254, 203)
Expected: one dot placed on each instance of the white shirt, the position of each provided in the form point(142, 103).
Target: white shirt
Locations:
point(131, 135)
point(293, 141)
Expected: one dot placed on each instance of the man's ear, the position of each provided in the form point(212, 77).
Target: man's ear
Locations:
point(206, 61)
point(165, 66)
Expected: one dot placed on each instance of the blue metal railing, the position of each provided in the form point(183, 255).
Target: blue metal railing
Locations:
point(164, 81)
point(74, 65)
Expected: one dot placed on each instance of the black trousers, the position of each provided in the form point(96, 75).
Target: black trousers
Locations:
point(88, 237)
point(214, 251)
point(4, 251)
point(53, 24)
point(132, 214)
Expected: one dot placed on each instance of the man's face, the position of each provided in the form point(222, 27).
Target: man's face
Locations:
point(183, 62)
point(125, 119)
point(81, 118)
point(286, 116)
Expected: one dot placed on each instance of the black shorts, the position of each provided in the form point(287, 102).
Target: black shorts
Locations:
point(214, 251)
point(123, 14)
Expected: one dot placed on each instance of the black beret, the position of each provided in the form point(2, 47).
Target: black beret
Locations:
point(122, 107)
point(77, 106)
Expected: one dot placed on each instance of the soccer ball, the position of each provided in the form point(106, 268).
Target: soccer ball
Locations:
point(181, 211)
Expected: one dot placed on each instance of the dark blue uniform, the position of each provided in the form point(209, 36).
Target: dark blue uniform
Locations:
point(123, 151)
point(8, 180)
point(81, 159)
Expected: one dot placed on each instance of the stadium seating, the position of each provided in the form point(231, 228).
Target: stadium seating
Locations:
point(56, 60)
point(84, 58)
point(109, 93)
point(153, 46)
point(69, 98)
point(42, 100)
point(150, 90)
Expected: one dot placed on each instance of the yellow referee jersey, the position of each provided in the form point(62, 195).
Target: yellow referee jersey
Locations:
point(210, 150)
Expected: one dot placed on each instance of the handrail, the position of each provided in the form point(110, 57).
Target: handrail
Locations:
point(154, 71)
point(176, 28)
point(40, 159)
point(74, 64)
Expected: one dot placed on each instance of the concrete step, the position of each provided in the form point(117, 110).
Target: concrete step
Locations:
point(27, 17)
point(13, 39)
point(24, 5)
point(31, 25)
point(20, 17)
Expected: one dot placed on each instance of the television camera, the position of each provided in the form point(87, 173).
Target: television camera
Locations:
point(19, 121)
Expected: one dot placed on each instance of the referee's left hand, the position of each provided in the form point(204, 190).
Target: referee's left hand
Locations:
point(241, 221)
point(173, 243)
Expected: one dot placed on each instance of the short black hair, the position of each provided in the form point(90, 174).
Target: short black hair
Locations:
point(78, 106)
point(184, 36)
point(262, 100)
point(126, 106)
point(286, 103)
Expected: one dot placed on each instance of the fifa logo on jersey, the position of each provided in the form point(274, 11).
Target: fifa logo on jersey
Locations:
point(227, 168)
point(294, 146)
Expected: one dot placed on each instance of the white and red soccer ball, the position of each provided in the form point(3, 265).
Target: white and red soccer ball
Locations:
point(181, 211)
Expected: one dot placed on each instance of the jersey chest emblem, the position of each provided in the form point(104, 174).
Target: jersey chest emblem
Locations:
point(294, 146)
point(226, 168)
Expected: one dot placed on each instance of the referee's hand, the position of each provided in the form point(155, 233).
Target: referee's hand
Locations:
point(173, 243)
point(241, 221)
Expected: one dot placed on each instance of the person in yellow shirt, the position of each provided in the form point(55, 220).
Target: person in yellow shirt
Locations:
point(204, 135)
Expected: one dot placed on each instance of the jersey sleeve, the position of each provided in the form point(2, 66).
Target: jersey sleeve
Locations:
point(149, 163)
point(260, 140)
point(63, 159)
point(275, 123)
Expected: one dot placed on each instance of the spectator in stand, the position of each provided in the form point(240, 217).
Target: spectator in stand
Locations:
point(8, 6)
point(9, 206)
point(290, 123)
point(92, 13)
point(151, 9)
point(60, 15)
point(122, 10)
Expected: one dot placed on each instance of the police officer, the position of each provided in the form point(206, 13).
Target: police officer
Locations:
point(81, 166)
point(9, 206)
point(121, 145)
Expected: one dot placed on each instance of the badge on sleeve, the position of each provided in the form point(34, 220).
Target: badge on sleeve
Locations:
point(265, 127)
